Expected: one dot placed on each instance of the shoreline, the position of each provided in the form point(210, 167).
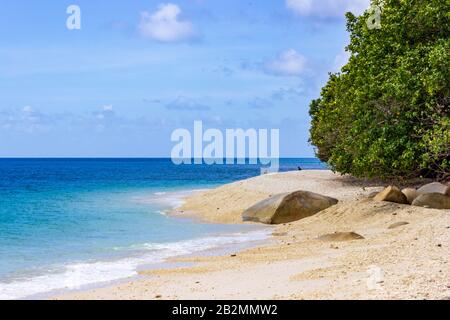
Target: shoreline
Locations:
point(167, 263)
point(233, 242)
point(127, 268)
point(407, 262)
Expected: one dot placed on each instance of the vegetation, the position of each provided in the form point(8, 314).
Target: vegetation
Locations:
point(386, 114)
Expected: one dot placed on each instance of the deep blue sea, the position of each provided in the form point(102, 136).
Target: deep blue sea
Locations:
point(68, 223)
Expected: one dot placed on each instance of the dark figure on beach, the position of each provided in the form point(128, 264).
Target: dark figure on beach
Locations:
point(299, 169)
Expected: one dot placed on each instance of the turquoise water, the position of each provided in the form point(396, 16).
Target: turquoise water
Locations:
point(66, 223)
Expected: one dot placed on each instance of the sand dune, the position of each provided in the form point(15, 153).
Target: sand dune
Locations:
point(409, 261)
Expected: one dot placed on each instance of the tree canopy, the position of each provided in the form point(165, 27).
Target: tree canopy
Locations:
point(386, 114)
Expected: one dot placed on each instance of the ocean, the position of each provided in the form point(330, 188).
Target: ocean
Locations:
point(71, 223)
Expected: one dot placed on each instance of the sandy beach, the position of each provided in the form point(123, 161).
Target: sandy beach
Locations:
point(404, 253)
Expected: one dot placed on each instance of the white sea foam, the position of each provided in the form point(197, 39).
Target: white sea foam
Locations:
point(77, 275)
point(172, 199)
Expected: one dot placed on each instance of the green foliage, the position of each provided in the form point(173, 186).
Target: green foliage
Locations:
point(386, 114)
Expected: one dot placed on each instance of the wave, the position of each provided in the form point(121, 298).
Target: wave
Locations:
point(78, 275)
point(170, 200)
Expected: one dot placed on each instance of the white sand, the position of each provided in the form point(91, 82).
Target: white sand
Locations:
point(226, 204)
point(409, 262)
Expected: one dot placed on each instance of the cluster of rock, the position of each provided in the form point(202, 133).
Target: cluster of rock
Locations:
point(288, 207)
point(433, 195)
point(293, 206)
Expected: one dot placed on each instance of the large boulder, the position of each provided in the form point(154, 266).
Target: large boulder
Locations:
point(391, 194)
point(287, 207)
point(435, 187)
point(410, 194)
point(432, 200)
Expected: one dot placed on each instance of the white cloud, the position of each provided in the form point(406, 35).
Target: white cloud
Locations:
point(25, 119)
point(107, 107)
point(29, 114)
point(28, 109)
point(261, 103)
point(106, 112)
point(186, 104)
point(327, 8)
point(288, 63)
point(164, 25)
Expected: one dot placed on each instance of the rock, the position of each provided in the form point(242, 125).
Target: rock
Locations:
point(391, 194)
point(288, 207)
point(435, 187)
point(279, 234)
point(341, 236)
point(398, 224)
point(410, 194)
point(432, 200)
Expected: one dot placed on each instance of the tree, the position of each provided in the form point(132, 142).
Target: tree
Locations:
point(386, 114)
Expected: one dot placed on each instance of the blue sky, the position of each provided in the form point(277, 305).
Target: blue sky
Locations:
point(138, 69)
